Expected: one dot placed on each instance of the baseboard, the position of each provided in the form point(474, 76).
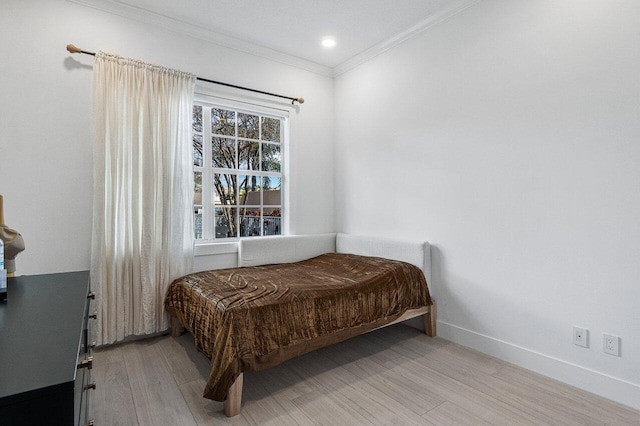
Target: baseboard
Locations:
point(601, 384)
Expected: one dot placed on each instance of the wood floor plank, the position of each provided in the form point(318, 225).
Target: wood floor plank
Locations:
point(377, 406)
point(360, 361)
point(260, 406)
point(525, 400)
point(416, 342)
point(109, 354)
point(591, 405)
point(449, 414)
point(184, 361)
point(157, 398)
point(284, 380)
point(368, 400)
point(206, 411)
point(537, 402)
point(481, 362)
point(395, 375)
point(460, 364)
point(623, 423)
point(410, 364)
point(323, 409)
point(327, 381)
point(486, 407)
point(111, 401)
point(283, 385)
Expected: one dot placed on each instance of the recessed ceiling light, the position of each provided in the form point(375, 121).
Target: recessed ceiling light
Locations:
point(328, 42)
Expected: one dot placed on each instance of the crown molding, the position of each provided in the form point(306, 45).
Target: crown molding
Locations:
point(444, 13)
point(118, 8)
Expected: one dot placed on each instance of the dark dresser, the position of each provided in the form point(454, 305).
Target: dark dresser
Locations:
point(45, 358)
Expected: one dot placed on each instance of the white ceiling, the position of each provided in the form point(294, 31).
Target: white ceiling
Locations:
point(295, 27)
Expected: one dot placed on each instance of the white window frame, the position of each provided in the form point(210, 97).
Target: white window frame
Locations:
point(209, 244)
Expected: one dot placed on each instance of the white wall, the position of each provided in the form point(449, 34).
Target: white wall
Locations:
point(509, 137)
point(46, 122)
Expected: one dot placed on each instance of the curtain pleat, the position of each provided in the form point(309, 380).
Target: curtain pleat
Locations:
point(143, 193)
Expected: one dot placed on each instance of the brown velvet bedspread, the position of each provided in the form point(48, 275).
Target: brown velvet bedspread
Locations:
point(248, 319)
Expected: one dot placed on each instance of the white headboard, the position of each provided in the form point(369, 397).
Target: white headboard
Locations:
point(416, 253)
point(284, 249)
point(293, 248)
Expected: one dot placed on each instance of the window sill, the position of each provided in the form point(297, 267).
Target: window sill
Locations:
point(213, 248)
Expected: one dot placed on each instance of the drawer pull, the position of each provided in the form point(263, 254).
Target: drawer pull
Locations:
point(86, 363)
point(91, 385)
point(93, 315)
point(91, 295)
point(92, 345)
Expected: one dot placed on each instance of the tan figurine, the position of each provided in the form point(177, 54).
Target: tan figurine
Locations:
point(13, 243)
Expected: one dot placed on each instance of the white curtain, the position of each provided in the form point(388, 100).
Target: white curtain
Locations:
point(143, 193)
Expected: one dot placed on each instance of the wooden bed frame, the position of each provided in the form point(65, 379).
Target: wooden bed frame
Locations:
point(267, 250)
point(233, 403)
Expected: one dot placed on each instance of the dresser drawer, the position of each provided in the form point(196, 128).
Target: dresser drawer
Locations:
point(48, 315)
point(84, 384)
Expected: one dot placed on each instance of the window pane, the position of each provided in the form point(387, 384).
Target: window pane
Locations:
point(271, 188)
point(249, 222)
point(197, 188)
point(248, 126)
point(272, 221)
point(197, 150)
point(271, 160)
point(197, 219)
point(197, 118)
point(226, 222)
point(225, 189)
point(223, 153)
point(249, 188)
point(238, 162)
point(270, 129)
point(223, 122)
point(249, 155)
point(197, 207)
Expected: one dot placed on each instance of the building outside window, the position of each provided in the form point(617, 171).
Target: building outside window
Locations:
point(238, 165)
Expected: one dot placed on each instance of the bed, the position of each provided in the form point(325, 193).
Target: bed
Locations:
point(294, 294)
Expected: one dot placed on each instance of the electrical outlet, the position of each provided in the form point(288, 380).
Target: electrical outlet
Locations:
point(611, 344)
point(580, 336)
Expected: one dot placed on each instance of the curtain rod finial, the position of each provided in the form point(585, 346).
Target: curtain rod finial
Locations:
point(300, 100)
point(73, 49)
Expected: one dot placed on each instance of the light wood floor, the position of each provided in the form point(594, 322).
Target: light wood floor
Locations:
point(395, 375)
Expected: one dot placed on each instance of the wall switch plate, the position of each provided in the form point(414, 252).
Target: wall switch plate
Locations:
point(581, 336)
point(611, 344)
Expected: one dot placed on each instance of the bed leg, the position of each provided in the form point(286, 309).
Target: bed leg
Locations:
point(176, 326)
point(234, 398)
point(430, 321)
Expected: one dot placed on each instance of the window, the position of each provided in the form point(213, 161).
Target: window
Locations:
point(238, 164)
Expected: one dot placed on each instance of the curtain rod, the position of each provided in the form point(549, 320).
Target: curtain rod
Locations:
point(73, 49)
